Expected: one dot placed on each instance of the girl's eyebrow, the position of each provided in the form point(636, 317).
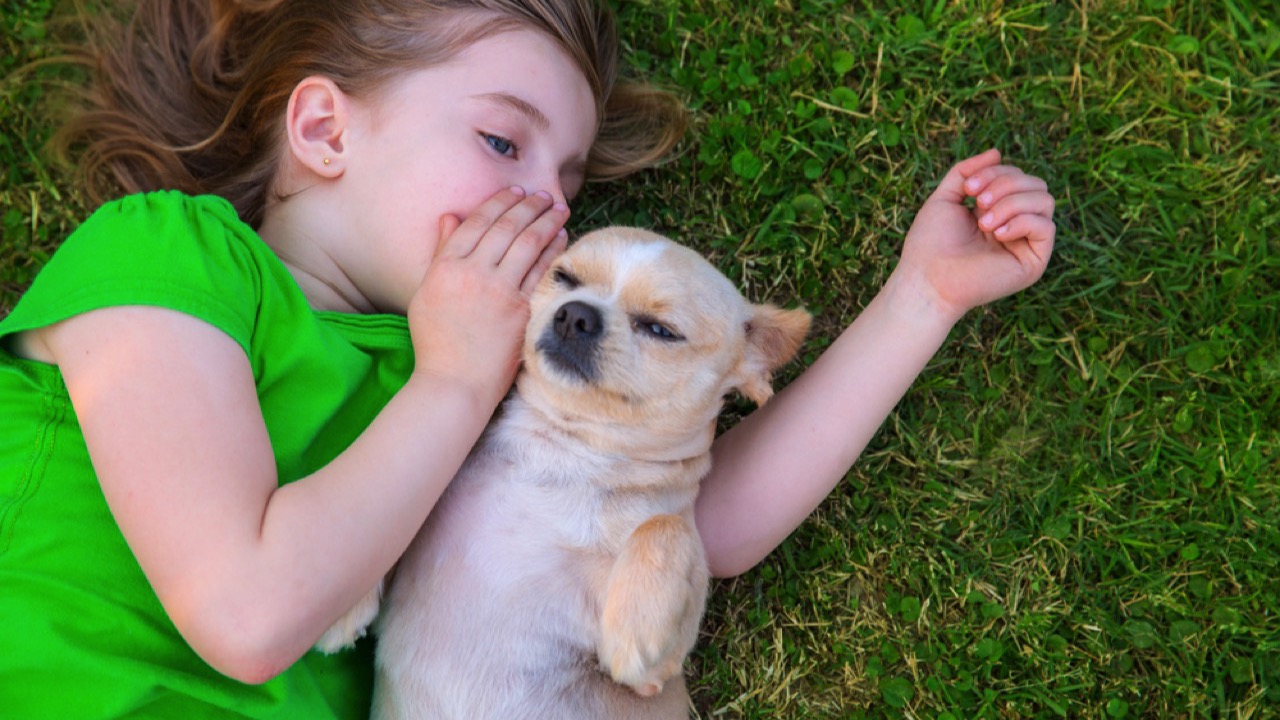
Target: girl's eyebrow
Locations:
point(524, 107)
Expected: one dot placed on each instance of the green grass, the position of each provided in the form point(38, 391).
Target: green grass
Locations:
point(1074, 511)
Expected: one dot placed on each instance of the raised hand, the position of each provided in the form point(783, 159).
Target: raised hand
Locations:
point(969, 257)
point(468, 317)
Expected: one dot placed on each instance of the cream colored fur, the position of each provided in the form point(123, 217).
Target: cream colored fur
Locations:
point(561, 575)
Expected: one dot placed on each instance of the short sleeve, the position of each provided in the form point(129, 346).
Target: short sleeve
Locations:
point(162, 249)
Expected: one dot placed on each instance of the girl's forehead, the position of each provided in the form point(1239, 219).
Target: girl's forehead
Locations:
point(522, 74)
point(521, 70)
point(521, 54)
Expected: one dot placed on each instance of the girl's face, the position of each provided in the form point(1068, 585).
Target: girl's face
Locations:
point(511, 109)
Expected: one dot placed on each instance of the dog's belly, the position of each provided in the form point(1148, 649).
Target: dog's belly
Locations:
point(492, 613)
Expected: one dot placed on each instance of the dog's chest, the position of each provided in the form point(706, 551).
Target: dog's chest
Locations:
point(543, 495)
point(515, 557)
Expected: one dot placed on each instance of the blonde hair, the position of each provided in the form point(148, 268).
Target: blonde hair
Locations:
point(191, 94)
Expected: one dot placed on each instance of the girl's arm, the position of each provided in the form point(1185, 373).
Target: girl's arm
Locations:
point(777, 465)
point(252, 573)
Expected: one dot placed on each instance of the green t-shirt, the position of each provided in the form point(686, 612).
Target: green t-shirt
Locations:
point(82, 634)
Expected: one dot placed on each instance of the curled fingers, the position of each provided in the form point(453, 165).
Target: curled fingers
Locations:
point(521, 238)
point(998, 212)
point(509, 232)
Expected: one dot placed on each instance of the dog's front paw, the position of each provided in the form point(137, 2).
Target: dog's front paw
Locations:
point(644, 671)
point(653, 603)
point(352, 626)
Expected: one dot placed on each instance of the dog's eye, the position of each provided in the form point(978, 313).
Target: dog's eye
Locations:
point(566, 278)
point(655, 329)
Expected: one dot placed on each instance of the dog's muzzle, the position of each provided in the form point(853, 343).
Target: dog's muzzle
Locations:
point(572, 341)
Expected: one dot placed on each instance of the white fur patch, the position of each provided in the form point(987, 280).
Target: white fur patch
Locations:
point(631, 258)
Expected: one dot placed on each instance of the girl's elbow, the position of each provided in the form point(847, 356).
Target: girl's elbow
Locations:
point(248, 661)
point(727, 559)
point(728, 553)
point(249, 671)
point(727, 568)
point(245, 649)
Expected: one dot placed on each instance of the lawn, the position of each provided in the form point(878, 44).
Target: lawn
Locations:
point(1073, 513)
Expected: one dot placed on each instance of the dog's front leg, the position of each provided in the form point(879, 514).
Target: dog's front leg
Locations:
point(653, 603)
point(354, 624)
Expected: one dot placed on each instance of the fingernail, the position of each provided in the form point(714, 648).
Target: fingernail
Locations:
point(562, 234)
point(987, 220)
point(517, 190)
point(543, 194)
point(984, 199)
point(972, 183)
point(1002, 229)
point(560, 207)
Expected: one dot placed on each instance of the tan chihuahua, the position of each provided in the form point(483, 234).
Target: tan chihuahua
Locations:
point(561, 575)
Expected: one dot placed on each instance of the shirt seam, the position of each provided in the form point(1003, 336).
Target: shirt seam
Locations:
point(35, 470)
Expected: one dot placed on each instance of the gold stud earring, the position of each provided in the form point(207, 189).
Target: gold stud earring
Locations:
point(326, 161)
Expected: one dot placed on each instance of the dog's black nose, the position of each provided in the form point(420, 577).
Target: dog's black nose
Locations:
point(578, 320)
point(572, 341)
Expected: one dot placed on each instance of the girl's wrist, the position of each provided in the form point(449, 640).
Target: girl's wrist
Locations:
point(455, 392)
point(913, 299)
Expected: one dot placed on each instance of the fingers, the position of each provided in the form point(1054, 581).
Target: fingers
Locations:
point(1017, 210)
point(952, 185)
point(448, 226)
point(997, 211)
point(549, 255)
point(518, 239)
point(1003, 194)
point(1029, 239)
point(1037, 232)
point(986, 159)
point(509, 232)
point(468, 234)
point(992, 183)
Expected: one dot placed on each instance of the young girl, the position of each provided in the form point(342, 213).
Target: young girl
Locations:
point(227, 406)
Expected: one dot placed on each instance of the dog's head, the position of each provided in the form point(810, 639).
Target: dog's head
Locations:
point(634, 341)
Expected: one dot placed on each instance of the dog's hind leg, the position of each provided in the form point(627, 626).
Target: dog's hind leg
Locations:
point(653, 602)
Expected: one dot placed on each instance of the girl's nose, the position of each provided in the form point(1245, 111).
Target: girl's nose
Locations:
point(549, 182)
point(557, 192)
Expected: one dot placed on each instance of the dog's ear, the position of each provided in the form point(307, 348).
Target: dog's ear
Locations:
point(773, 337)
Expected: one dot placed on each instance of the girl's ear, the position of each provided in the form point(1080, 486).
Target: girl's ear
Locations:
point(773, 337)
point(316, 123)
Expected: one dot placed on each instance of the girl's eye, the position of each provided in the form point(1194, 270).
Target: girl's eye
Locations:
point(500, 144)
point(566, 278)
point(657, 330)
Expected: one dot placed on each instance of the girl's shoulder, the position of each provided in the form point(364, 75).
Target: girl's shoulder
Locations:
point(167, 249)
point(164, 217)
